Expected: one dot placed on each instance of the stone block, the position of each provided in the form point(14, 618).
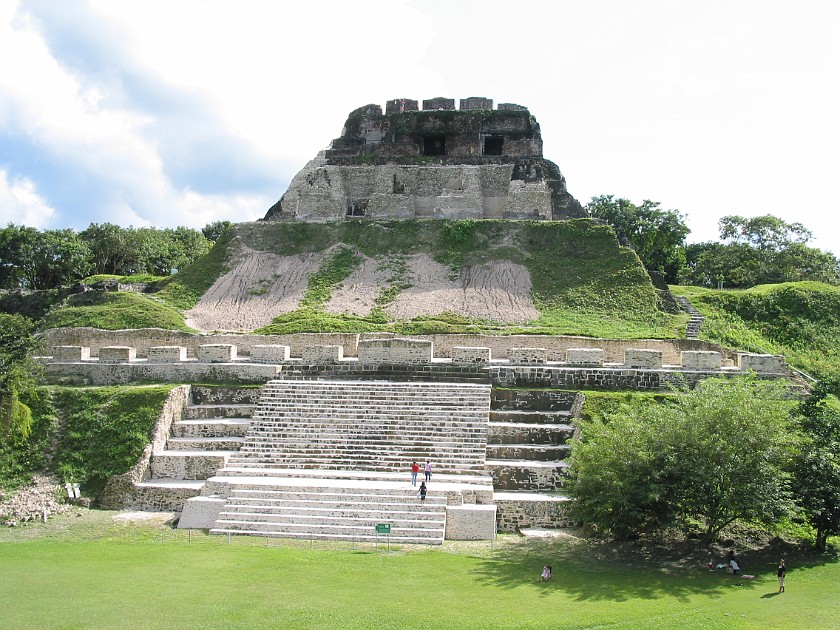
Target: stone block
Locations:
point(471, 522)
point(269, 353)
point(701, 360)
point(527, 356)
point(585, 356)
point(761, 363)
point(322, 354)
point(117, 354)
point(200, 512)
point(438, 103)
point(511, 107)
point(643, 359)
point(476, 102)
point(216, 353)
point(70, 354)
point(167, 354)
point(397, 351)
point(399, 105)
point(462, 355)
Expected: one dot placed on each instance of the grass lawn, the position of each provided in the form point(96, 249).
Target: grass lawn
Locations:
point(88, 571)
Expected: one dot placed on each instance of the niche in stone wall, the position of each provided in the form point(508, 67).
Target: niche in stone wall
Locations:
point(434, 145)
point(493, 146)
point(356, 207)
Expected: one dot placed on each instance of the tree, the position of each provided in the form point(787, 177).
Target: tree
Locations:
point(760, 250)
point(657, 235)
point(17, 345)
point(213, 231)
point(715, 454)
point(41, 260)
point(817, 466)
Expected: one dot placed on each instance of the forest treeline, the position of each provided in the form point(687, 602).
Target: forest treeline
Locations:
point(750, 251)
point(48, 259)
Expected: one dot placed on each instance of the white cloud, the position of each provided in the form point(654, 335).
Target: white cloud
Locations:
point(21, 204)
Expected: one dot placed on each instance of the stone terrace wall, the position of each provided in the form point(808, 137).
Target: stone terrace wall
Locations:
point(500, 346)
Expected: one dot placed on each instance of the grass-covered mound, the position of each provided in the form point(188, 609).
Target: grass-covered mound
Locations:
point(798, 319)
point(583, 281)
point(84, 435)
point(115, 311)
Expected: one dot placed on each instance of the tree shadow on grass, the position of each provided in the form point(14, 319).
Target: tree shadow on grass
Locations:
point(588, 570)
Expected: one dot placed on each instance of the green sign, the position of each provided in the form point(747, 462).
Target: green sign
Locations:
point(383, 528)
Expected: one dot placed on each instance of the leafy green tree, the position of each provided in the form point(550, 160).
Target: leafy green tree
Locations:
point(41, 260)
point(657, 235)
point(714, 454)
point(817, 466)
point(213, 231)
point(110, 248)
point(17, 345)
point(759, 250)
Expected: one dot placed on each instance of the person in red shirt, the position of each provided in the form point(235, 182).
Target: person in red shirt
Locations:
point(414, 470)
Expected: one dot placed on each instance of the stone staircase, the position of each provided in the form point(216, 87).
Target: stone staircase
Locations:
point(695, 322)
point(331, 459)
point(528, 438)
point(213, 428)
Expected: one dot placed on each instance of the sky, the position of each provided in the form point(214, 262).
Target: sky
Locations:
point(183, 112)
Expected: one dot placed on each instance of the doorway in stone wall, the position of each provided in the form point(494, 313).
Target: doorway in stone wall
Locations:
point(434, 145)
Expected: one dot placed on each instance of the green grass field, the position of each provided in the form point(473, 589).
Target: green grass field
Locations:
point(89, 572)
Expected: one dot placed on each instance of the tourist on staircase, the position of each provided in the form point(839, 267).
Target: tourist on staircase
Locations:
point(428, 471)
point(414, 470)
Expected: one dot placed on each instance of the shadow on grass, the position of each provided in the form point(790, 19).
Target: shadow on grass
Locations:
point(587, 570)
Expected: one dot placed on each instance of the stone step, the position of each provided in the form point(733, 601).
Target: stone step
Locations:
point(355, 536)
point(413, 426)
point(202, 412)
point(333, 465)
point(204, 443)
point(221, 427)
point(507, 433)
point(277, 517)
point(162, 495)
point(522, 475)
point(389, 456)
point(188, 464)
point(306, 529)
point(529, 452)
point(213, 395)
point(345, 480)
point(306, 501)
point(530, 416)
point(340, 443)
point(531, 400)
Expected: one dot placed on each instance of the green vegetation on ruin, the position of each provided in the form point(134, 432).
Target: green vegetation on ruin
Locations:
point(184, 289)
point(83, 434)
point(115, 311)
point(94, 571)
point(583, 281)
point(139, 278)
point(797, 319)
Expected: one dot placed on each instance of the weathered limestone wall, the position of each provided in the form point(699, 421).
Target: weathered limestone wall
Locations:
point(585, 356)
point(322, 354)
point(643, 358)
point(119, 490)
point(95, 373)
point(167, 354)
point(470, 522)
point(470, 356)
point(556, 347)
point(762, 363)
point(701, 360)
point(397, 350)
point(522, 512)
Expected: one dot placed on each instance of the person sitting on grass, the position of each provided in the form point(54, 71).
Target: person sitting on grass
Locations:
point(545, 576)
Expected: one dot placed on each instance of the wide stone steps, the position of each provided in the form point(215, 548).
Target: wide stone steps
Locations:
point(216, 395)
point(506, 433)
point(202, 412)
point(320, 442)
point(413, 427)
point(267, 500)
point(299, 519)
point(204, 443)
point(395, 455)
point(506, 400)
point(295, 480)
point(222, 427)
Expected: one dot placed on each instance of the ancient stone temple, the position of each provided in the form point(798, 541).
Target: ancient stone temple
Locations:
point(474, 162)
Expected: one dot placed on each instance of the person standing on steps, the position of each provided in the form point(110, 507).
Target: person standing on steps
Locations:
point(428, 470)
point(781, 575)
point(422, 490)
point(414, 470)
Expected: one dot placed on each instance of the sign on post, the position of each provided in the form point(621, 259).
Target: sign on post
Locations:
point(383, 528)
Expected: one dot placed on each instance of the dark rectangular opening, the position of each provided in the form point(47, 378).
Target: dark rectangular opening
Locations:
point(493, 146)
point(434, 145)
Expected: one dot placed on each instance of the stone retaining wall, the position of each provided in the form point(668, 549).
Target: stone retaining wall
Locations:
point(121, 487)
point(556, 347)
point(537, 511)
